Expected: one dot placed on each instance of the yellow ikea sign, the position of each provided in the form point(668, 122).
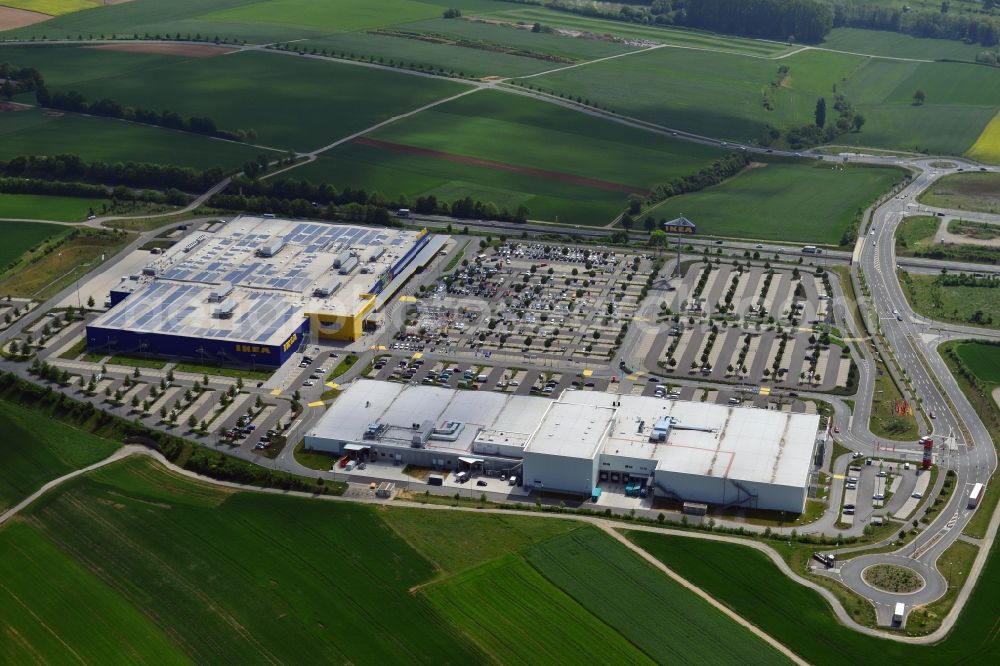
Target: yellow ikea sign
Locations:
point(253, 349)
point(289, 342)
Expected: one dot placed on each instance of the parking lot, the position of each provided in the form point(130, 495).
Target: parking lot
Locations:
point(881, 487)
point(754, 325)
point(533, 300)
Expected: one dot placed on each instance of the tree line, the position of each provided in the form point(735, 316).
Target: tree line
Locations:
point(171, 196)
point(131, 174)
point(302, 198)
point(75, 102)
point(978, 28)
point(716, 172)
point(17, 80)
point(795, 20)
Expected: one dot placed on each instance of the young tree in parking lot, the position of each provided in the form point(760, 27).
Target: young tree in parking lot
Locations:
point(258, 403)
point(90, 301)
point(239, 384)
point(163, 412)
point(192, 422)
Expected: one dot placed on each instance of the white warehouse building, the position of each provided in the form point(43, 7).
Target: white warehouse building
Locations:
point(686, 451)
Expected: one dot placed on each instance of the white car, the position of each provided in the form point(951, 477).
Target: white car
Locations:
point(513, 382)
point(309, 382)
point(917, 495)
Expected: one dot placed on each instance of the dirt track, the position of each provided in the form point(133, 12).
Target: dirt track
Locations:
point(11, 18)
point(189, 50)
point(503, 166)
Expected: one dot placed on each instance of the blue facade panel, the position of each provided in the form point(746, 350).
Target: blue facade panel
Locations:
point(117, 296)
point(229, 353)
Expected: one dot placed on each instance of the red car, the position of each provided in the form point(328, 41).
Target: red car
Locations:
point(836, 428)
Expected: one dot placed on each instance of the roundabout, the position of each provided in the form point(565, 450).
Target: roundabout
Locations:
point(893, 578)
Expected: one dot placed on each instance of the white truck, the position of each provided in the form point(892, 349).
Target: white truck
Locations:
point(975, 495)
point(899, 613)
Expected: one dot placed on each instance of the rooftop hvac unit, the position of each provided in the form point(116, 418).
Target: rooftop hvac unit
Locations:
point(342, 258)
point(225, 309)
point(348, 266)
point(220, 292)
point(271, 247)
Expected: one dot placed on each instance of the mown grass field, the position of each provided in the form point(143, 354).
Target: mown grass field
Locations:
point(47, 207)
point(292, 102)
point(33, 452)
point(223, 577)
point(965, 191)
point(982, 359)
point(19, 237)
point(750, 584)
point(808, 203)
point(956, 304)
point(915, 233)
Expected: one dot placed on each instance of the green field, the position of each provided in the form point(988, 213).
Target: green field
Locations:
point(34, 452)
point(71, 617)
point(220, 577)
point(575, 597)
point(898, 45)
point(539, 42)
point(723, 94)
point(916, 233)
point(965, 191)
point(291, 102)
point(982, 359)
point(343, 15)
point(412, 53)
point(520, 618)
point(523, 133)
point(660, 34)
point(392, 173)
point(613, 583)
point(526, 132)
point(107, 140)
point(47, 207)
point(19, 237)
point(457, 541)
point(954, 303)
point(785, 202)
point(254, 20)
point(176, 571)
point(52, 7)
point(752, 585)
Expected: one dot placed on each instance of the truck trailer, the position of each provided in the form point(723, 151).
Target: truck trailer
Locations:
point(975, 495)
